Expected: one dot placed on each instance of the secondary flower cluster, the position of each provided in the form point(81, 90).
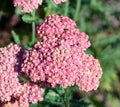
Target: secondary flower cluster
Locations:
point(29, 5)
point(9, 83)
point(10, 87)
point(57, 58)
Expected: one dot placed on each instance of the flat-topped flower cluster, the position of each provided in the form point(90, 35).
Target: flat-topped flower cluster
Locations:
point(29, 5)
point(57, 58)
point(10, 87)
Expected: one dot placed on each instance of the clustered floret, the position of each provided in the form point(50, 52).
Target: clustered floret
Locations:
point(58, 58)
point(32, 65)
point(9, 82)
point(63, 28)
point(29, 5)
point(10, 87)
point(31, 93)
point(89, 73)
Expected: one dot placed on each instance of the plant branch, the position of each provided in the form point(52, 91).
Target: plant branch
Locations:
point(78, 5)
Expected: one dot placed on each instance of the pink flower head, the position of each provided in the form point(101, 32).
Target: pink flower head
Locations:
point(27, 5)
point(53, 64)
point(9, 82)
point(89, 73)
point(10, 87)
point(31, 94)
point(63, 28)
point(59, 57)
point(59, 1)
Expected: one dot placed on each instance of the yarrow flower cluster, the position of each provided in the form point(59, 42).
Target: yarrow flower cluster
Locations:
point(29, 5)
point(31, 93)
point(89, 73)
point(10, 87)
point(9, 82)
point(61, 27)
point(59, 57)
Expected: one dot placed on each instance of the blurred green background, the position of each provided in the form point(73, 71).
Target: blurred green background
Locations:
point(100, 19)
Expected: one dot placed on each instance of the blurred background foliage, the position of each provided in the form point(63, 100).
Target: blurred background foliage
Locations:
point(100, 19)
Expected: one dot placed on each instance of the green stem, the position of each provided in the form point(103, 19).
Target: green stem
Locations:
point(66, 8)
point(78, 5)
point(66, 99)
point(33, 28)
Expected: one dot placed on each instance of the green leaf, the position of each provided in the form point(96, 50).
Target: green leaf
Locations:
point(28, 18)
point(52, 96)
point(52, 104)
point(24, 79)
point(79, 103)
point(60, 90)
point(105, 41)
point(34, 105)
point(15, 37)
point(19, 11)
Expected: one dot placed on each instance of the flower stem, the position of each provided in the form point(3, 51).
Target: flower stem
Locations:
point(66, 99)
point(33, 28)
point(66, 8)
point(78, 5)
